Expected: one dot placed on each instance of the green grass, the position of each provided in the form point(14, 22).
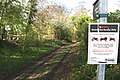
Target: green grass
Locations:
point(14, 58)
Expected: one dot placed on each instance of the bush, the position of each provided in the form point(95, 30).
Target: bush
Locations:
point(83, 71)
point(112, 72)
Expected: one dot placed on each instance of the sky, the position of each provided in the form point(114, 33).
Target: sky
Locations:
point(112, 4)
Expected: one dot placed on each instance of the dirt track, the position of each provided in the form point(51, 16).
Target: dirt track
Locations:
point(55, 66)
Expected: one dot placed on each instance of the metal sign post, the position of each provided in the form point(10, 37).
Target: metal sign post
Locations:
point(102, 39)
point(103, 44)
point(103, 19)
point(101, 72)
point(100, 12)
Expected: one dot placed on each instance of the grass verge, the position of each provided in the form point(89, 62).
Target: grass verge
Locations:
point(14, 58)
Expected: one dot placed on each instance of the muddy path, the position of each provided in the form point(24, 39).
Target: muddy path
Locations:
point(55, 66)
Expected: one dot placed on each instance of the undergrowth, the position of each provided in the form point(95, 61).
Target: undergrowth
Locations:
point(13, 57)
point(84, 71)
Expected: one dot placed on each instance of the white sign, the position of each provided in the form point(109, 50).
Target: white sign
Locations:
point(103, 43)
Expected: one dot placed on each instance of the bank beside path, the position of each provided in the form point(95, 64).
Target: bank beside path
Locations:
point(55, 66)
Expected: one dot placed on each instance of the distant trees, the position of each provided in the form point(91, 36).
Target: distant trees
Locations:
point(78, 23)
point(50, 21)
point(114, 16)
point(32, 20)
point(39, 20)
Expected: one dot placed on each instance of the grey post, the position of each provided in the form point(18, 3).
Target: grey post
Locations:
point(103, 19)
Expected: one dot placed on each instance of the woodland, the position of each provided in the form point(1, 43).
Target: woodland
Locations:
point(30, 30)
